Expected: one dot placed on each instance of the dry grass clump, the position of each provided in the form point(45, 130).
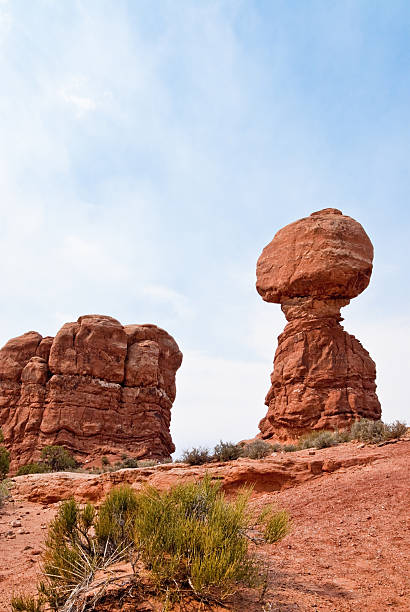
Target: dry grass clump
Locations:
point(320, 439)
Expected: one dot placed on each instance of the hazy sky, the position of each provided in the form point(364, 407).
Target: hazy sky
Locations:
point(149, 151)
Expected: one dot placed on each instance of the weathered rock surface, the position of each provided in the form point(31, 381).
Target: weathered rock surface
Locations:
point(276, 472)
point(323, 378)
point(98, 388)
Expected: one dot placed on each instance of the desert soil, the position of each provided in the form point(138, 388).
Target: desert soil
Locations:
point(348, 550)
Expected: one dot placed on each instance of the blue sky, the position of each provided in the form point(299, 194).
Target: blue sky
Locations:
point(149, 151)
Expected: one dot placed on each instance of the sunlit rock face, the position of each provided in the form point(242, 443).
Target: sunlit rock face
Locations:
point(97, 388)
point(323, 378)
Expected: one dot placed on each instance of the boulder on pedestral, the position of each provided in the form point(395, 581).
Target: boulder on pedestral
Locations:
point(323, 378)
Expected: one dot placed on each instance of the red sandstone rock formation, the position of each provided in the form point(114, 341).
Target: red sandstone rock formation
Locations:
point(323, 378)
point(97, 388)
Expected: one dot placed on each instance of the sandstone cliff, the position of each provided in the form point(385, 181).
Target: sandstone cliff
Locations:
point(97, 388)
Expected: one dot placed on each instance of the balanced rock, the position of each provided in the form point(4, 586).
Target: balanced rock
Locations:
point(323, 378)
point(97, 388)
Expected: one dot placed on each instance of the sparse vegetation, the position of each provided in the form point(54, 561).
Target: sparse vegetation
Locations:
point(114, 527)
point(4, 492)
point(32, 468)
point(276, 524)
point(227, 451)
point(196, 456)
point(290, 448)
point(4, 462)
point(319, 439)
point(396, 430)
point(57, 458)
point(26, 603)
point(190, 540)
point(258, 449)
point(4, 458)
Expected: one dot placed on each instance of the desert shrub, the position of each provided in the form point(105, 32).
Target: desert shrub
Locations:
point(1, 437)
point(57, 458)
point(276, 524)
point(276, 447)
point(4, 462)
point(191, 537)
point(343, 436)
point(396, 430)
point(290, 448)
point(196, 456)
point(258, 449)
point(26, 603)
point(325, 439)
point(227, 451)
point(129, 462)
point(32, 468)
point(4, 492)
point(70, 556)
point(367, 430)
point(114, 526)
point(104, 461)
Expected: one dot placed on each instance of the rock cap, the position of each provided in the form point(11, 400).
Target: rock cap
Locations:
point(325, 255)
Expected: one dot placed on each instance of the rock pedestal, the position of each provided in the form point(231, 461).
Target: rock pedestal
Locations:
point(323, 378)
point(98, 388)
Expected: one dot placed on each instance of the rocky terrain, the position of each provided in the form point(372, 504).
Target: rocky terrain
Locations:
point(98, 388)
point(323, 378)
point(348, 549)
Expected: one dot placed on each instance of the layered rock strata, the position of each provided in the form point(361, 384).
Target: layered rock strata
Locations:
point(323, 378)
point(97, 388)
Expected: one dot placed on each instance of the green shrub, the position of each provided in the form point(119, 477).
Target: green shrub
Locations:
point(104, 461)
point(276, 524)
point(71, 556)
point(196, 456)
point(258, 449)
point(191, 537)
point(290, 448)
point(396, 430)
point(1, 437)
point(57, 458)
point(114, 526)
point(227, 451)
point(32, 468)
point(4, 462)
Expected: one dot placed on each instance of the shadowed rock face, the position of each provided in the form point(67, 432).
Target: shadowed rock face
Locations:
point(323, 378)
point(97, 388)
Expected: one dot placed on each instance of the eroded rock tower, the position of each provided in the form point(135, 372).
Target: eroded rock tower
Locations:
point(323, 378)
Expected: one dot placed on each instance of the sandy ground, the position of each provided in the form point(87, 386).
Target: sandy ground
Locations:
point(349, 548)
